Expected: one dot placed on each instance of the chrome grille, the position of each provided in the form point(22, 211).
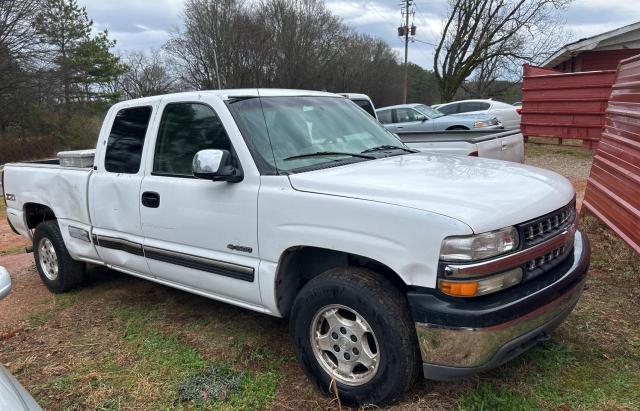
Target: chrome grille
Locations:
point(546, 258)
point(547, 226)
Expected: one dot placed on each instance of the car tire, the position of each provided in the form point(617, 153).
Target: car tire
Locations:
point(359, 297)
point(58, 271)
point(458, 128)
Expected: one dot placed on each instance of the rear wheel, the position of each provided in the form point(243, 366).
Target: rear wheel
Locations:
point(352, 330)
point(58, 271)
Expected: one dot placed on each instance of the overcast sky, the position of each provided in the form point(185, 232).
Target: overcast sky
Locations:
point(146, 24)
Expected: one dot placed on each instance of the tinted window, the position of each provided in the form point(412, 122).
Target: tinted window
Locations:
point(405, 115)
point(366, 106)
point(185, 129)
point(449, 108)
point(473, 106)
point(384, 116)
point(126, 140)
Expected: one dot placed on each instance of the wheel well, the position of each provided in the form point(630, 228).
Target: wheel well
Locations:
point(37, 213)
point(298, 265)
point(458, 128)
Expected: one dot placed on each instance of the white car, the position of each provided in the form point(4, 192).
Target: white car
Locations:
point(508, 114)
point(389, 263)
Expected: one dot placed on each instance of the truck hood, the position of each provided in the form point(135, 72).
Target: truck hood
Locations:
point(485, 194)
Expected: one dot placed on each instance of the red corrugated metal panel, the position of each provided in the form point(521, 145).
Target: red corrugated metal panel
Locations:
point(565, 105)
point(613, 188)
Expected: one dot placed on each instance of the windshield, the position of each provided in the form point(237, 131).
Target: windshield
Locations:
point(292, 133)
point(428, 111)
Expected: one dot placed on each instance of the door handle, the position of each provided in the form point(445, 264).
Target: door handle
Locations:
point(399, 127)
point(151, 199)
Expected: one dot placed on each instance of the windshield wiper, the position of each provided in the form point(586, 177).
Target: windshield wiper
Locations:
point(389, 147)
point(329, 153)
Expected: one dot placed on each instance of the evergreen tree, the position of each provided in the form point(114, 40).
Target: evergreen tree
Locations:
point(84, 64)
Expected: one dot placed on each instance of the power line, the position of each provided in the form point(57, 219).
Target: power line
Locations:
point(405, 31)
point(427, 25)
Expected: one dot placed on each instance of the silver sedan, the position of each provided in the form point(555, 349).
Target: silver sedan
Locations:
point(420, 117)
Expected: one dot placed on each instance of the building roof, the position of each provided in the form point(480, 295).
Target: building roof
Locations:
point(620, 38)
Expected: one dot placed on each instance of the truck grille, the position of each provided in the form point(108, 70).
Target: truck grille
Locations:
point(536, 231)
point(546, 258)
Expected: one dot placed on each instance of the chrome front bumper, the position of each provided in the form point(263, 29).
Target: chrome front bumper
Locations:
point(450, 352)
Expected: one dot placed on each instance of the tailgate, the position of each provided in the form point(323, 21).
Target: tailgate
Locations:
point(507, 146)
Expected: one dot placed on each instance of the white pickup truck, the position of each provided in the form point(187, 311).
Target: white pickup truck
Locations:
point(388, 262)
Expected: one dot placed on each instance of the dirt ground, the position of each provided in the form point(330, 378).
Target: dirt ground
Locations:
point(124, 343)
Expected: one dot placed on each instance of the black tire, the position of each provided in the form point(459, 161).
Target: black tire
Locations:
point(458, 128)
point(70, 273)
point(384, 308)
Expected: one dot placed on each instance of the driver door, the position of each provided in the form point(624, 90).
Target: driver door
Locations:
point(408, 119)
point(199, 233)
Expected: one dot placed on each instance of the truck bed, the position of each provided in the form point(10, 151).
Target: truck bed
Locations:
point(503, 145)
point(46, 182)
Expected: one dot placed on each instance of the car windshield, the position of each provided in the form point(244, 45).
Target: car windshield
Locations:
point(429, 111)
point(296, 133)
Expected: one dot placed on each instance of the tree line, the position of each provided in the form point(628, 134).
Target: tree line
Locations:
point(58, 77)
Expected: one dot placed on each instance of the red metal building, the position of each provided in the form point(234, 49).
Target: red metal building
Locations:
point(567, 97)
point(601, 52)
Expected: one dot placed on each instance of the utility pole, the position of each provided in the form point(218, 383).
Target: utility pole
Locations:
point(405, 31)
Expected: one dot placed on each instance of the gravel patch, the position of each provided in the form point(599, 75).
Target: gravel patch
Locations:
point(573, 163)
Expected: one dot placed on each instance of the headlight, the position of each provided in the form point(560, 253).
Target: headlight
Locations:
point(479, 246)
point(480, 124)
point(482, 286)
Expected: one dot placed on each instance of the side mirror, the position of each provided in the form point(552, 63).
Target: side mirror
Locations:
point(421, 117)
point(215, 165)
point(5, 282)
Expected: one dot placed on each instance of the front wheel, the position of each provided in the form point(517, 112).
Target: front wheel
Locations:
point(58, 271)
point(352, 330)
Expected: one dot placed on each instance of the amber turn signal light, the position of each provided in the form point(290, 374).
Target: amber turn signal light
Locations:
point(459, 288)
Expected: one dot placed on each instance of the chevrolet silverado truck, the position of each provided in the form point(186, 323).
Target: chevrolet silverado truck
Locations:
point(388, 263)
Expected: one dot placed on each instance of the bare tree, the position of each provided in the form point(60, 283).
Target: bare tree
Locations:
point(19, 46)
point(146, 75)
point(485, 35)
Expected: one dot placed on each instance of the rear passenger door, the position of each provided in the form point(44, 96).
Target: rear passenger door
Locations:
point(115, 186)
point(199, 233)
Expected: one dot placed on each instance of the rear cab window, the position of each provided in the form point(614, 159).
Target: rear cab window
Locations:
point(126, 140)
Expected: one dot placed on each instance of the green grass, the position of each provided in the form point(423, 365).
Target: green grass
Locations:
point(152, 368)
point(557, 377)
point(12, 250)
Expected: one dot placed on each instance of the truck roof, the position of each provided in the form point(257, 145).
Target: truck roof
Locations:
point(231, 93)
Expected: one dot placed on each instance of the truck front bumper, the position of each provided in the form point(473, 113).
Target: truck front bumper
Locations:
point(459, 338)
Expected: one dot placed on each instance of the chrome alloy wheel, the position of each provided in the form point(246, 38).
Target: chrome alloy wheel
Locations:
point(344, 344)
point(48, 259)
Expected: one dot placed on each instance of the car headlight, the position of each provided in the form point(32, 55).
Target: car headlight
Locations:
point(479, 246)
point(480, 124)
